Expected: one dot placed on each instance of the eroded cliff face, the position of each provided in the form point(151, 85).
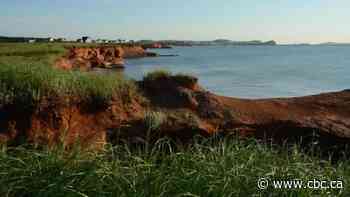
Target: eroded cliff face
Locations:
point(87, 58)
point(180, 109)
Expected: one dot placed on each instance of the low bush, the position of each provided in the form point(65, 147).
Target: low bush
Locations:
point(156, 75)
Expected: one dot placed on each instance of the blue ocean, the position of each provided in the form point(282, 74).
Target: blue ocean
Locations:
point(256, 71)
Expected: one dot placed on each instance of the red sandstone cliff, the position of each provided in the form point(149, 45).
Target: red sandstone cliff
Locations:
point(86, 58)
point(186, 110)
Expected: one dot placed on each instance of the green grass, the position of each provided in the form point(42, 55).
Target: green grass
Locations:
point(157, 74)
point(27, 75)
point(154, 119)
point(41, 49)
point(180, 78)
point(29, 83)
point(29, 50)
point(211, 167)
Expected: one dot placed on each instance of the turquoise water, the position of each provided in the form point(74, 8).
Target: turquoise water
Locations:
point(256, 71)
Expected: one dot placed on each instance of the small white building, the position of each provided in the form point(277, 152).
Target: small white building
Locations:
point(32, 41)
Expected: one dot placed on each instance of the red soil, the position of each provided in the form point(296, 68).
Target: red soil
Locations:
point(189, 110)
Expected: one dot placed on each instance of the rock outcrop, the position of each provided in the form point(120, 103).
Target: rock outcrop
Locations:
point(178, 107)
point(136, 52)
point(86, 58)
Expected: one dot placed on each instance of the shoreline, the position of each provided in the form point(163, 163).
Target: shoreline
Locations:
point(175, 104)
point(183, 109)
point(87, 58)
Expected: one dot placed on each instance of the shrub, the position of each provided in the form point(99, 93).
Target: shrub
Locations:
point(156, 75)
point(180, 79)
point(185, 79)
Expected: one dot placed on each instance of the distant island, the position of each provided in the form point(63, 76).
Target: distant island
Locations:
point(333, 43)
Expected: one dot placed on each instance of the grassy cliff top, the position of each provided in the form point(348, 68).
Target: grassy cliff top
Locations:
point(27, 75)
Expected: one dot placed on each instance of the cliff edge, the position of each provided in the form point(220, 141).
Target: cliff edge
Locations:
point(86, 58)
point(176, 106)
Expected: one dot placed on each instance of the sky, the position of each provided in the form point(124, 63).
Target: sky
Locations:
point(286, 21)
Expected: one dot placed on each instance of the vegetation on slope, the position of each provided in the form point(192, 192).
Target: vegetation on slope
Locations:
point(180, 78)
point(27, 75)
point(30, 50)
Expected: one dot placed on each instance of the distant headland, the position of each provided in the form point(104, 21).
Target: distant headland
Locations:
point(217, 42)
point(148, 43)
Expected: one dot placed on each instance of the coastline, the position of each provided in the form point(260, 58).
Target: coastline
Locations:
point(58, 124)
point(181, 107)
point(87, 58)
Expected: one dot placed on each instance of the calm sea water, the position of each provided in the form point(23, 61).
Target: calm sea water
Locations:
point(256, 71)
